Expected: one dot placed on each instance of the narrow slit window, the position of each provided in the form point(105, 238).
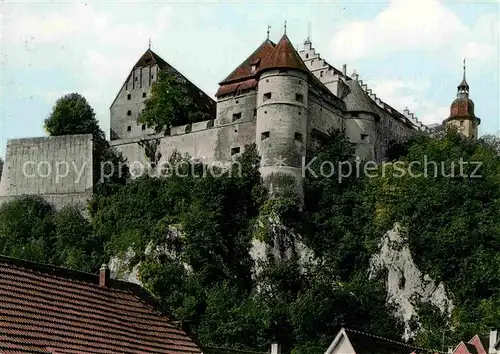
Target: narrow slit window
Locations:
point(129, 128)
point(129, 112)
point(264, 135)
point(235, 150)
point(143, 127)
point(267, 96)
point(298, 137)
point(236, 116)
point(255, 112)
point(144, 94)
point(129, 96)
point(299, 97)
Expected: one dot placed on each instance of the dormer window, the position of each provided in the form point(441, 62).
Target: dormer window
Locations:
point(254, 67)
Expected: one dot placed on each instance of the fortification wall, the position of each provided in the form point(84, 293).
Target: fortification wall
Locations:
point(323, 116)
point(200, 140)
point(57, 168)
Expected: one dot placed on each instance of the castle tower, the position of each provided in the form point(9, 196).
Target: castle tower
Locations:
point(462, 114)
point(281, 128)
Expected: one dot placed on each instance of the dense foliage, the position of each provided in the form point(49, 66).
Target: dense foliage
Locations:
point(169, 104)
point(191, 232)
point(31, 229)
point(72, 114)
point(446, 192)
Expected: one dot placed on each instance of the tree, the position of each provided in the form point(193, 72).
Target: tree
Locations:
point(170, 104)
point(30, 228)
point(72, 114)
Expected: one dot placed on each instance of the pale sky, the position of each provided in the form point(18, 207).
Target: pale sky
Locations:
point(409, 52)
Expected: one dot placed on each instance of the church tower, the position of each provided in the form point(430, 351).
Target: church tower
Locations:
point(462, 112)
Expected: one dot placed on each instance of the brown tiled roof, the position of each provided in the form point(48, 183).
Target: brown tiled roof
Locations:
point(244, 70)
point(45, 309)
point(150, 58)
point(283, 55)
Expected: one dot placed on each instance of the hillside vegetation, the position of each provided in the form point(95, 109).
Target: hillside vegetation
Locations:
point(191, 234)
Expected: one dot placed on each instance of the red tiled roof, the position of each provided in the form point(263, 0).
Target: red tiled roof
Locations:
point(244, 70)
point(283, 55)
point(46, 309)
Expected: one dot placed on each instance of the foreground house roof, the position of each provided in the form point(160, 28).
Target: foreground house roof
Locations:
point(349, 341)
point(45, 309)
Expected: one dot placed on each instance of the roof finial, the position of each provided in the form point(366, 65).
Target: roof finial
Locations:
point(464, 68)
point(149, 46)
point(268, 28)
point(285, 27)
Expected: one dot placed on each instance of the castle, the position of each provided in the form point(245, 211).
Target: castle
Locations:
point(279, 98)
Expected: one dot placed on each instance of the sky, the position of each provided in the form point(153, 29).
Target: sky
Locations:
point(410, 52)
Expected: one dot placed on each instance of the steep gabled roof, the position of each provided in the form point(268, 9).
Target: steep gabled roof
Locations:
point(244, 70)
point(45, 309)
point(150, 58)
point(284, 56)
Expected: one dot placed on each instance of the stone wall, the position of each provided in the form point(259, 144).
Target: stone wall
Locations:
point(201, 140)
point(129, 103)
point(57, 168)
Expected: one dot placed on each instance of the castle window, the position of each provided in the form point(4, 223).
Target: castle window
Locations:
point(255, 112)
point(143, 127)
point(236, 101)
point(253, 68)
point(152, 76)
point(364, 137)
point(236, 116)
point(267, 96)
point(235, 150)
point(136, 78)
point(129, 96)
point(307, 56)
point(321, 73)
point(129, 128)
point(298, 137)
point(129, 112)
point(264, 135)
point(312, 62)
point(299, 97)
point(144, 94)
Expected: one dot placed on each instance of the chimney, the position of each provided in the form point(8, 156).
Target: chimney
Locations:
point(493, 341)
point(104, 276)
point(275, 348)
point(344, 69)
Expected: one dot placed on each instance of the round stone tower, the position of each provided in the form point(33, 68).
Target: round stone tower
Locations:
point(462, 115)
point(281, 128)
